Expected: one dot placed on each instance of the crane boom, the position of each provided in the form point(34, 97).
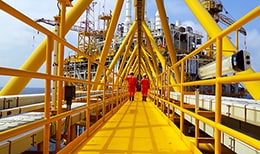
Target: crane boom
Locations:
point(214, 7)
point(52, 23)
point(226, 20)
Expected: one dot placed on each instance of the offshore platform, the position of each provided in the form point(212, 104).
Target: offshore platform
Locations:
point(196, 99)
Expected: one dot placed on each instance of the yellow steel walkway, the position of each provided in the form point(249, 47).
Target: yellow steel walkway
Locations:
point(138, 127)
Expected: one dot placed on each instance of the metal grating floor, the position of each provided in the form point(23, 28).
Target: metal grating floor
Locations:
point(137, 127)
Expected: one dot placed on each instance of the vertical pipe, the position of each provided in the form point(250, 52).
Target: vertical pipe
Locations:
point(218, 92)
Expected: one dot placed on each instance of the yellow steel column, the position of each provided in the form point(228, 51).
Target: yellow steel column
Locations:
point(218, 91)
point(37, 58)
point(109, 37)
point(168, 37)
point(47, 104)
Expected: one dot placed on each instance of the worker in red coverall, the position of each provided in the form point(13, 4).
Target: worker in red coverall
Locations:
point(145, 86)
point(131, 79)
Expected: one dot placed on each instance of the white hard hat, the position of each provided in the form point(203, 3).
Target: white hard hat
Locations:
point(131, 72)
point(144, 74)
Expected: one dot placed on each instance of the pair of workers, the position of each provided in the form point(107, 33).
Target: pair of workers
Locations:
point(132, 83)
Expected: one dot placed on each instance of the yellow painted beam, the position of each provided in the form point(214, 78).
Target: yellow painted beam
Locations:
point(151, 69)
point(127, 51)
point(109, 37)
point(120, 51)
point(159, 55)
point(168, 37)
point(147, 70)
point(213, 29)
point(209, 24)
point(16, 84)
point(129, 64)
point(150, 50)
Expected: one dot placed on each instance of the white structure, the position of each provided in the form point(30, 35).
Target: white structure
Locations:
point(128, 18)
point(158, 24)
point(177, 23)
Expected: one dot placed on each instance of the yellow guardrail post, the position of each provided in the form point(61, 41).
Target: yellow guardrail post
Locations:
point(197, 127)
point(218, 93)
point(88, 97)
point(182, 99)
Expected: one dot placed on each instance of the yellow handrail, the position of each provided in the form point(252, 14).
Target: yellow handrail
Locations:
point(218, 81)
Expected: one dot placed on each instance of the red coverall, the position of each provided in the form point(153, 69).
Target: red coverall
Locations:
point(145, 86)
point(131, 86)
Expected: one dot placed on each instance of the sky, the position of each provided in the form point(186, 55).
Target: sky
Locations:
point(18, 40)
